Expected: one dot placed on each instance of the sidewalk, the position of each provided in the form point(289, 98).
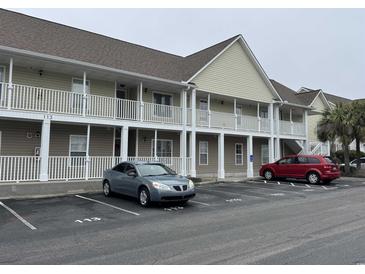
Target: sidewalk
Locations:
point(47, 189)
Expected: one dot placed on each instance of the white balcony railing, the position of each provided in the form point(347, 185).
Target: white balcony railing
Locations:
point(292, 128)
point(19, 168)
point(27, 168)
point(65, 102)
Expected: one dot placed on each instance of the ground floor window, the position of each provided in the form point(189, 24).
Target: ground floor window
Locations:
point(265, 153)
point(78, 145)
point(203, 153)
point(164, 148)
point(239, 154)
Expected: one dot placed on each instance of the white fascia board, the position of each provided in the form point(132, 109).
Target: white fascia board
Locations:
point(323, 97)
point(90, 65)
point(292, 104)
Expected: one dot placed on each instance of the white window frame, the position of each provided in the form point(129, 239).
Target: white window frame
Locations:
point(169, 113)
point(200, 143)
point(163, 93)
point(69, 146)
point(163, 140)
point(1, 135)
point(236, 154)
point(262, 154)
point(88, 84)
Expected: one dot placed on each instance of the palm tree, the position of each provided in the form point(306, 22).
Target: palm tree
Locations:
point(337, 124)
point(358, 123)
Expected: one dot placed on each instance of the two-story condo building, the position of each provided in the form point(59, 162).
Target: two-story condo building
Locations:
point(73, 103)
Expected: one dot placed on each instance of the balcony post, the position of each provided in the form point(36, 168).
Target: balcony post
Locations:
point(45, 137)
point(291, 120)
point(87, 161)
point(305, 121)
point(249, 156)
point(193, 134)
point(183, 104)
point(271, 139)
point(221, 173)
point(124, 143)
point(277, 117)
point(235, 113)
point(209, 113)
point(258, 117)
point(155, 145)
point(84, 95)
point(141, 104)
point(10, 85)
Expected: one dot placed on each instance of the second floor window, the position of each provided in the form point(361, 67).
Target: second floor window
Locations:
point(162, 101)
point(78, 90)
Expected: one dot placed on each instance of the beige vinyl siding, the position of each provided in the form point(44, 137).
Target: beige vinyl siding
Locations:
point(146, 136)
point(21, 138)
point(233, 74)
point(312, 127)
point(230, 167)
point(211, 169)
point(59, 81)
point(257, 160)
point(318, 104)
point(14, 137)
point(101, 139)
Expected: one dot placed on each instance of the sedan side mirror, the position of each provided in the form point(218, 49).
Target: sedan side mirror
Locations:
point(132, 173)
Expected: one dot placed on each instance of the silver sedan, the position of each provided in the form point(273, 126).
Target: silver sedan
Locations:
point(148, 182)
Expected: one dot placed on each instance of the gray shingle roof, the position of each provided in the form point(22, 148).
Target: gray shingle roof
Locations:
point(334, 99)
point(287, 94)
point(307, 97)
point(42, 36)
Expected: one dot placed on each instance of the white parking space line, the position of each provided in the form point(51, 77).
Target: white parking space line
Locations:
point(109, 205)
point(20, 218)
point(267, 188)
point(278, 183)
point(200, 203)
point(292, 184)
point(277, 194)
point(265, 182)
point(307, 185)
point(324, 187)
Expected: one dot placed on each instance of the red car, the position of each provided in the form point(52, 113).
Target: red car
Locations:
point(314, 168)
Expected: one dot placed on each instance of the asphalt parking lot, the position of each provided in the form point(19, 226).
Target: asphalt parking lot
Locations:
point(42, 231)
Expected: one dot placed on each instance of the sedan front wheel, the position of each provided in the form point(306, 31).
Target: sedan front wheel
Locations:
point(268, 175)
point(144, 197)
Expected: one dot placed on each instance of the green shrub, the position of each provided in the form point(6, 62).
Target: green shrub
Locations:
point(340, 157)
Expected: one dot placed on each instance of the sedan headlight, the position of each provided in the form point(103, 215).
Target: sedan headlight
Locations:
point(160, 186)
point(191, 184)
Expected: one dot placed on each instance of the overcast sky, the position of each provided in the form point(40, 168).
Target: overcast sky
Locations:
point(315, 48)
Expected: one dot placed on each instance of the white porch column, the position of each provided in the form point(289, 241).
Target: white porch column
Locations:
point(124, 143)
point(155, 144)
point(209, 113)
point(271, 150)
point(221, 173)
point(183, 152)
point(183, 103)
point(277, 117)
point(193, 134)
point(258, 117)
point(45, 137)
point(141, 104)
point(84, 95)
point(10, 86)
point(271, 139)
point(291, 120)
point(235, 113)
point(87, 164)
point(277, 149)
point(249, 156)
point(305, 121)
point(137, 141)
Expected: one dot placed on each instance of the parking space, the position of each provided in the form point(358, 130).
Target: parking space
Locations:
point(82, 211)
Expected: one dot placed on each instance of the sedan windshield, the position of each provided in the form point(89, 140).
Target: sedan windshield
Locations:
point(154, 170)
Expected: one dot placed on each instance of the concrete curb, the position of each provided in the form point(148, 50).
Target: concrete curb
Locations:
point(47, 189)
